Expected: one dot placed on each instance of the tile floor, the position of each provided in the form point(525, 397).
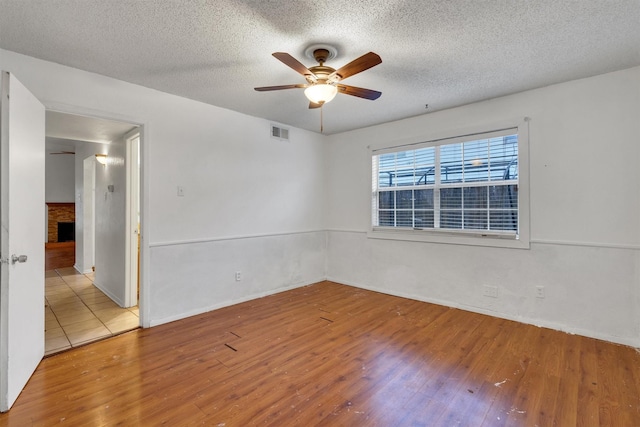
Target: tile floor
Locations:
point(76, 312)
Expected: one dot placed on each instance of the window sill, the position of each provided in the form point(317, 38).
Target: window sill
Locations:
point(449, 237)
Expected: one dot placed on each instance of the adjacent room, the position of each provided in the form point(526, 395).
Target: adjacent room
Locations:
point(85, 283)
point(385, 213)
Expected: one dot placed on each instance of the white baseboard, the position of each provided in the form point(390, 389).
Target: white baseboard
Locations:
point(109, 294)
point(75, 266)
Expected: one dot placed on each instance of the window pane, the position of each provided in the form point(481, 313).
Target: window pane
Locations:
point(386, 200)
point(475, 220)
point(475, 197)
point(404, 219)
point(425, 175)
point(404, 176)
point(404, 160)
point(425, 156)
point(503, 197)
point(423, 219)
point(387, 161)
point(450, 219)
point(504, 157)
point(404, 199)
point(451, 163)
point(385, 179)
point(503, 220)
point(476, 160)
point(386, 218)
point(451, 198)
point(423, 199)
point(425, 159)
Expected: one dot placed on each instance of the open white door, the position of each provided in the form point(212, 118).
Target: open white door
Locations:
point(22, 208)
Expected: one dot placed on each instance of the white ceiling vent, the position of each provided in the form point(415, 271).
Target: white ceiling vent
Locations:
point(279, 132)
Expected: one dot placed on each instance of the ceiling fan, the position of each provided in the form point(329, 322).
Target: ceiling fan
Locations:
point(323, 82)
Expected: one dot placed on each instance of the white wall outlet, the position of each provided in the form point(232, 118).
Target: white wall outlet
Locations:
point(539, 291)
point(238, 276)
point(180, 191)
point(490, 291)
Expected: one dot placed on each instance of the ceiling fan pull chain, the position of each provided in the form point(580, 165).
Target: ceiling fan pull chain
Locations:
point(321, 121)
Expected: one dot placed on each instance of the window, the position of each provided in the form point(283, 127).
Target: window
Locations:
point(467, 186)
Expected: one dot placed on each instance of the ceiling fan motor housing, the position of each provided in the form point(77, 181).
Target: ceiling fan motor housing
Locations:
point(321, 72)
point(321, 55)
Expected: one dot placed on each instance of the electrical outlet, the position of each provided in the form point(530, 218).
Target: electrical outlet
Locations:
point(490, 291)
point(539, 291)
point(238, 276)
point(180, 191)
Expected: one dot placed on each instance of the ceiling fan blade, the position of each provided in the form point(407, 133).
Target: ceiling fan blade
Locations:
point(267, 88)
point(292, 62)
point(359, 92)
point(314, 105)
point(356, 66)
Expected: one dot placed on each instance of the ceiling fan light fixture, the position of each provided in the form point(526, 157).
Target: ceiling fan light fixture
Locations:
point(321, 93)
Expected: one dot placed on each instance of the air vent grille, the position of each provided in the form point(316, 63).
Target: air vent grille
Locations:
point(279, 132)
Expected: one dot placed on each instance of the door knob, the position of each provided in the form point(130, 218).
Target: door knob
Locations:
point(18, 258)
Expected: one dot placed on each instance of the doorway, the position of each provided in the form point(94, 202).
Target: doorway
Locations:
point(92, 299)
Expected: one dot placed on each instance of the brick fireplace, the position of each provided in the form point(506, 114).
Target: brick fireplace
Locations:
point(61, 222)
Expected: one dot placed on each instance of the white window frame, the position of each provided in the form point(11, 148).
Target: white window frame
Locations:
point(463, 237)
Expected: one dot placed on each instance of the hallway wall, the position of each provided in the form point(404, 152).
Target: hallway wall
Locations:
point(83, 257)
point(59, 178)
point(110, 231)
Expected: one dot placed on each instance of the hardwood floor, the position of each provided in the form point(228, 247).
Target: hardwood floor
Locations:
point(59, 255)
point(334, 355)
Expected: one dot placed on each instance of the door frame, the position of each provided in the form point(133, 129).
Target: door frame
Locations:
point(132, 160)
point(142, 129)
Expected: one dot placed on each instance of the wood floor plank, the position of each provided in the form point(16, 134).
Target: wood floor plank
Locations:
point(566, 402)
point(334, 355)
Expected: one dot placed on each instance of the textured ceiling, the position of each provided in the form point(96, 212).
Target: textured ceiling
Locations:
point(443, 53)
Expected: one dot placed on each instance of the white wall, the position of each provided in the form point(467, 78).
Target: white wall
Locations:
point(84, 258)
point(59, 178)
point(243, 190)
point(110, 235)
point(109, 218)
point(584, 203)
